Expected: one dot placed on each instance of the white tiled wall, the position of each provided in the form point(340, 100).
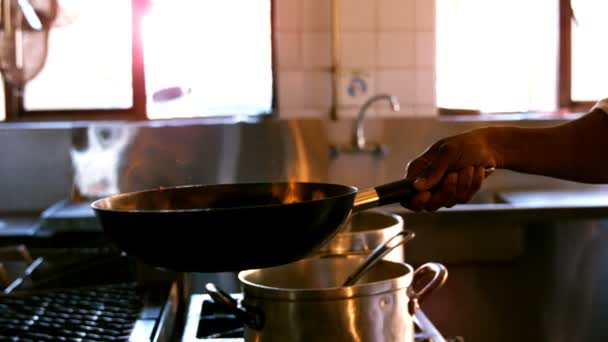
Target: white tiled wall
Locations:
point(391, 43)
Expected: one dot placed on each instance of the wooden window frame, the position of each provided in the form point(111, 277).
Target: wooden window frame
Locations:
point(564, 77)
point(565, 61)
point(138, 108)
point(138, 111)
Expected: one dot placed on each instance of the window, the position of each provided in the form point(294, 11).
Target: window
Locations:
point(510, 56)
point(153, 59)
point(208, 58)
point(85, 56)
point(88, 62)
point(589, 50)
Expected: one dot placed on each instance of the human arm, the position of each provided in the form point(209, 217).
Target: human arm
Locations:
point(451, 171)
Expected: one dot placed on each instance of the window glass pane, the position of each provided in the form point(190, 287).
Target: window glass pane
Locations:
point(205, 58)
point(88, 64)
point(497, 56)
point(589, 50)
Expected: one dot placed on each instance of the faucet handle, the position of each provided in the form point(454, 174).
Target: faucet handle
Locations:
point(395, 105)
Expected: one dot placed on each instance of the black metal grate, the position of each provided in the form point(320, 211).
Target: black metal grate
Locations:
point(104, 313)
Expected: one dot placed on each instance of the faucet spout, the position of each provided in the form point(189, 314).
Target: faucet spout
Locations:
point(359, 133)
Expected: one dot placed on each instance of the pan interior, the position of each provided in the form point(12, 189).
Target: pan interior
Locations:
point(223, 196)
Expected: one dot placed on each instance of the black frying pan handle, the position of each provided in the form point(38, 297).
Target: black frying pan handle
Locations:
point(395, 192)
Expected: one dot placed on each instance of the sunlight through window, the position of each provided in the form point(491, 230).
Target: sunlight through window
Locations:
point(208, 58)
point(589, 50)
point(88, 63)
point(497, 56)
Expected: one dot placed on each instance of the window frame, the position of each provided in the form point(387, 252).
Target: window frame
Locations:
point(566, 16)
point(138, 110)
point(565, 104)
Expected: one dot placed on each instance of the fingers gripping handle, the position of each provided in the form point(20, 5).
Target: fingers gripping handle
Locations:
point(395, 192)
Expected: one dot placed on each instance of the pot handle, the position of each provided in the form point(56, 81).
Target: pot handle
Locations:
point(247, 315)
point(439, 276)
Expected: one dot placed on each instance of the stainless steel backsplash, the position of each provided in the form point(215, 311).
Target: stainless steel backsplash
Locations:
point(41, 166)
point(114, 159)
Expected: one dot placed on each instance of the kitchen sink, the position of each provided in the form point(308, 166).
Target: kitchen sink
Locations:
point(486, 197)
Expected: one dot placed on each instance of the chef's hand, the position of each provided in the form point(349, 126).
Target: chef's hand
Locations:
point(450, 171)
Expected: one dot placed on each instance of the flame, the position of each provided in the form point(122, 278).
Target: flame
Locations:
point(318, 195)
point(291, 194)
point(163, 201)
point(286, 194)
point(294, 192)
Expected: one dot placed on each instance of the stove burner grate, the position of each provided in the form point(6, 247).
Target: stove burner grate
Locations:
point(103, 313)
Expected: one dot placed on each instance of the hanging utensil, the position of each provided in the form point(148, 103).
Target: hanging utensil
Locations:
point(377, 254)
point(30, 14)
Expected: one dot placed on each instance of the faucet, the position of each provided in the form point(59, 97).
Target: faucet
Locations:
point(359, 143)
point(359, 133)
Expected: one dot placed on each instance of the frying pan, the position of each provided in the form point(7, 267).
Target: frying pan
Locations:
point(234, 227)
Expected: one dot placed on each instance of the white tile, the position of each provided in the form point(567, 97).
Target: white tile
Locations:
point(398, 82)
point(396, 49)
point(316, 89)
point(357, 15)
point(425, 15)
point(288, 50)
point(314, 113)
point(357, 50)
point(396, 15)
point(425, 87)
point(425, 49)
point(289, 85)
point(303, 113)
point(352, 112)
point(316, 49)
point(316, 15)
point(287, 14)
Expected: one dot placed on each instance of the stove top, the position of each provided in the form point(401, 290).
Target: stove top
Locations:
point(94, 298)
point(100, 313)
point(205, 321)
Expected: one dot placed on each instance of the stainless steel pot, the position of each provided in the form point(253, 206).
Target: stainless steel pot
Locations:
point(363, 232)
point(303, 301)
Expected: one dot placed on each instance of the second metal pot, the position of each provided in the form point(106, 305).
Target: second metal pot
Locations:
point(363, 232)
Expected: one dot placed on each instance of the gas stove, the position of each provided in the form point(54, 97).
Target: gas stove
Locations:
point(205, 321)
point(93, 298)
